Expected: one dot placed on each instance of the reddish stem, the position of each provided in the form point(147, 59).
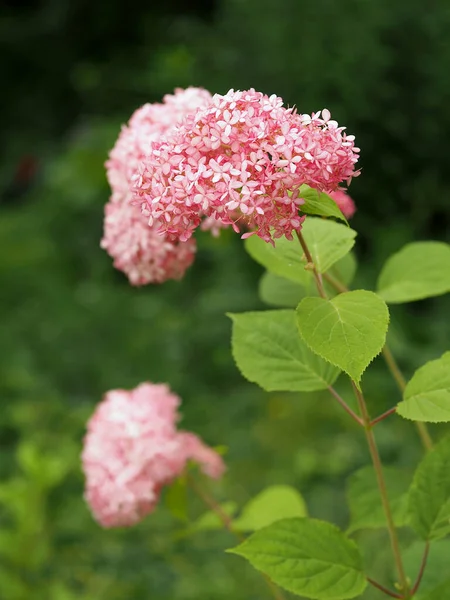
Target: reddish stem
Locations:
point(422, 569)
point(309, 258)
point(383, 416)
point(345, 406)
point(383, 589)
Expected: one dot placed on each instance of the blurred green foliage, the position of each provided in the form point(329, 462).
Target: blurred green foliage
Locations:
point(71, 327)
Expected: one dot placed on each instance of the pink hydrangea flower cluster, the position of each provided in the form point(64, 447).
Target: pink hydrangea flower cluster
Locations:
point(132, 449)
point(139, 250)
point(241, 158)
point(344, 202)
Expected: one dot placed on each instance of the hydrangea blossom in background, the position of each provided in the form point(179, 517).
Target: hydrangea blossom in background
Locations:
point(132, 449)
point(137, 249)
point(242, 153)
point(146, 125)
point(344, 202)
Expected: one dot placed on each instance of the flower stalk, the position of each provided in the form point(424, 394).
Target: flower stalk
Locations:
point(309, 258)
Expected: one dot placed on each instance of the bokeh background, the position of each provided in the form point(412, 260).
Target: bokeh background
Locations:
point(71, 327)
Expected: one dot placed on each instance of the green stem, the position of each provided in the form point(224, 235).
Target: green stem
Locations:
point(228, 525)
point(309, 258)
point(401, 384)
point(383, 490)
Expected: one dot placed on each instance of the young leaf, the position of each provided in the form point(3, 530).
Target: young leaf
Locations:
point(272, 504)
point(285, 259)
point(319, 203)
point(417, 271)
point(363, 495)
point(348, 331)
point(436, 574)
point(427, 394)
point(268, 351)
point(429, 496)
point(307, 557)
point(327, 241)
point(278, 291)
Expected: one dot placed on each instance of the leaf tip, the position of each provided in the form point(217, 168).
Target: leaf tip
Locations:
point(236, 550)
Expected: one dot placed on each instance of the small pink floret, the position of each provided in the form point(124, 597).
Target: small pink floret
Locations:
point(132, 449)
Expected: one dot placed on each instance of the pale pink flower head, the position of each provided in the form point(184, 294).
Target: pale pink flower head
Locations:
point(146, 125)
point(132, 449)
point(138, 250)
point(344, 202)
point(242, 157)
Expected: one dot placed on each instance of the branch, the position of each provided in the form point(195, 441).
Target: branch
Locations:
point(422, 569)
point(389, 412)
point(383, 589)
point(345, 406)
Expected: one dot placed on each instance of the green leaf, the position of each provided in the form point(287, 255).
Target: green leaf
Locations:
point(307, 557)
point(429, 496)
point(436, 574)
point(272, 504)
point(363, 495)
point(427, 394)
point(283, 259)
point(278, 291)
point(319, 203)
point(327, 241)
point(348, 331)
point(417, 271)
point(269, 351)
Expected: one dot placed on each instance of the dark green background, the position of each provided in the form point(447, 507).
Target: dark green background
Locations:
point(71, 327)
